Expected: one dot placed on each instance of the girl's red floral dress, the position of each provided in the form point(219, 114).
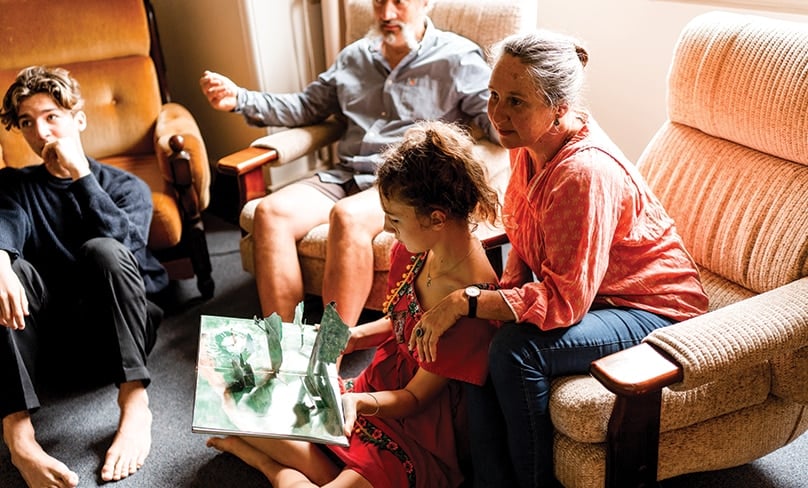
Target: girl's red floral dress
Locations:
point(420, 450)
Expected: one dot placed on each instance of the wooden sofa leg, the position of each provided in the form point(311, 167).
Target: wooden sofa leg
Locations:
point(632, 450)
point(193, 230)
point(200, 259)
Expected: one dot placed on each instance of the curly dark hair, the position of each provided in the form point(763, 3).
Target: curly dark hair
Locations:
point(56, 82)
point(434, 168)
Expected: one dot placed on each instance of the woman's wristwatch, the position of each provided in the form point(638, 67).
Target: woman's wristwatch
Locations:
point(471, 293)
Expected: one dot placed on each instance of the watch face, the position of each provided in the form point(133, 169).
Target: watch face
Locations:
point(472, 291)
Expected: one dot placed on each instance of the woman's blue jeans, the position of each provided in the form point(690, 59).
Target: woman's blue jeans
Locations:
point(523, 360)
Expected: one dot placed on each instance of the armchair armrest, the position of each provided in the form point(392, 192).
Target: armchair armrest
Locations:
point(175, 120)
point(183, 162)
point(687, 355)
point(737, 336)
point(277, 149)
point(700, 350)
point(636, 371)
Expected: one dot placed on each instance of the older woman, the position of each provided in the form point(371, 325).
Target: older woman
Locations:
point(596, 262)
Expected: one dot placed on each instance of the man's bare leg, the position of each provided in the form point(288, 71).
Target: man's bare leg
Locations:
point(348, 277)
point(36, 466)
point(132, 441)
point(281, 220)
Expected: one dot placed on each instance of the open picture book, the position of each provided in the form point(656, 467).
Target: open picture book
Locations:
point(269, 378)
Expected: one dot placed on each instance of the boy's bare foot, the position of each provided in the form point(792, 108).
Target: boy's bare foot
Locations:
point(37, 467)
point(132, 441)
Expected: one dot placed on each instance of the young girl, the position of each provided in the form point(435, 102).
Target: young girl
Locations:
point(405, 418)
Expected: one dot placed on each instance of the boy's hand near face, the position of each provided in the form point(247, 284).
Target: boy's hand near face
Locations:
point(65, 157)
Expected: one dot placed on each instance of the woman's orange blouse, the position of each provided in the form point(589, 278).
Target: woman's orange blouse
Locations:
point(593, 234)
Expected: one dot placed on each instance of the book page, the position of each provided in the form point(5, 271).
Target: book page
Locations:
point(264, 377)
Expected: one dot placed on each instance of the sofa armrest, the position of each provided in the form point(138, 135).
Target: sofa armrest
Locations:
point(687, 355)
point(737, 336)
point(183, 162)
point(276, 149)
point(189, 172)
point(636, 375)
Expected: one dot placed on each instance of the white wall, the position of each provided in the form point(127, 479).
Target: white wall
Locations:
point(630, 45)
point(259, 44)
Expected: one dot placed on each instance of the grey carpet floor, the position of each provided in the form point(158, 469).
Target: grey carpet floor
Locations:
point(77, 427)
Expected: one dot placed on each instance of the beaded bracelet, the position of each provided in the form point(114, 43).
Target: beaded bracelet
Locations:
point(377, 405)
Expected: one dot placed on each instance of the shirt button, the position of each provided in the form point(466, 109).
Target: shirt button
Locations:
point(384, 114)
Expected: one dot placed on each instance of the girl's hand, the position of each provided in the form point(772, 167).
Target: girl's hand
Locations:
point(349, 412)
point(351, 345)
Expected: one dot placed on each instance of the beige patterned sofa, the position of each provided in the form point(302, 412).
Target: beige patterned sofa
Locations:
point(731, 166)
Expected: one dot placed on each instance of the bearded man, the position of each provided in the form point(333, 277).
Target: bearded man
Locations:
point(404, 71)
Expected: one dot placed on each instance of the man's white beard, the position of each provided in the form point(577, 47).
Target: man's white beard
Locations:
point(390, 37)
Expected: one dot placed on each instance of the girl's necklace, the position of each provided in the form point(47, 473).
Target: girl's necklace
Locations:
point(455, 265)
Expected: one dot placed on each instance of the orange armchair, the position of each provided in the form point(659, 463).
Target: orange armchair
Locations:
point(113, 50)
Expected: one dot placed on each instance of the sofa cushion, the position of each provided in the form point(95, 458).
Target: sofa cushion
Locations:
point(729, 165)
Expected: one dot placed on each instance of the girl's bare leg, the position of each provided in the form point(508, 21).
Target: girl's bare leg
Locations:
point(313, 468)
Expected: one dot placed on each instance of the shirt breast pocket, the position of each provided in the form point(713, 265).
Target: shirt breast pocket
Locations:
point(424, 98)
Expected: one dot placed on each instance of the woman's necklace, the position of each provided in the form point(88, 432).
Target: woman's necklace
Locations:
point(455, 265)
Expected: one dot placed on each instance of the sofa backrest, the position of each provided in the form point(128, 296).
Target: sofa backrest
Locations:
point(731, 162)
point(483, 21)
point(106, 47)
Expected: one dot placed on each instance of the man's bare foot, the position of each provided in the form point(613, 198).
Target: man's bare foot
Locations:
point(132, 441)
point(37, 468)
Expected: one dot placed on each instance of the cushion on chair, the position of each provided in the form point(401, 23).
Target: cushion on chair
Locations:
point(730, 440)
point(718, 443)
point(731, 178)
point(166, 226)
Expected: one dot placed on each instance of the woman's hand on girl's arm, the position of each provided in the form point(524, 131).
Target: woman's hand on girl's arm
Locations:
point(440, 318)
point(434, 322)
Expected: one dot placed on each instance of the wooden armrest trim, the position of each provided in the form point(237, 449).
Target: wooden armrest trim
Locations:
point(490, 236)
point(246, 160)
point(495, 240)
point(636, 371)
